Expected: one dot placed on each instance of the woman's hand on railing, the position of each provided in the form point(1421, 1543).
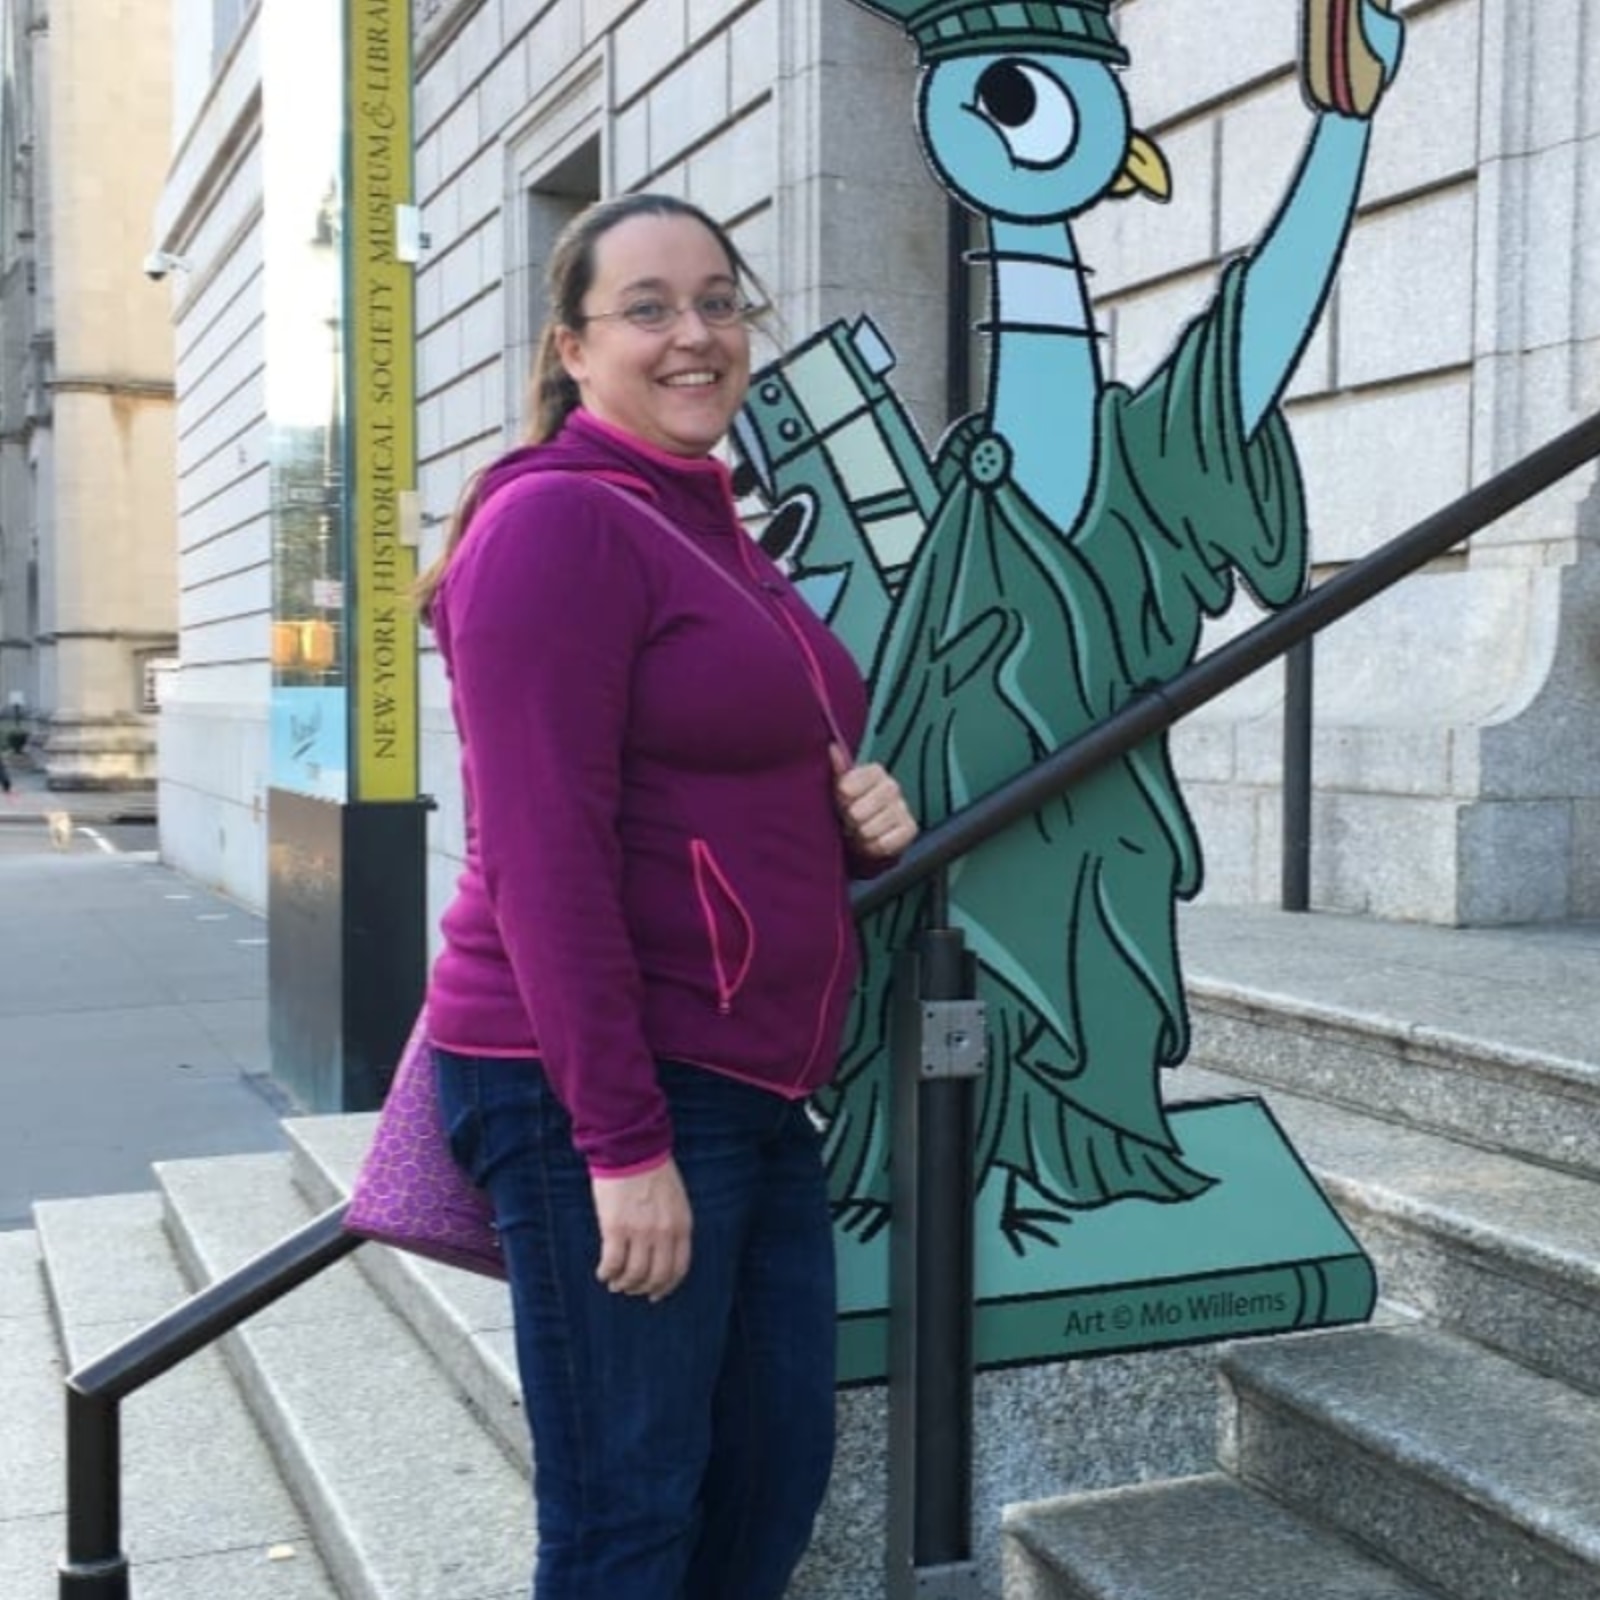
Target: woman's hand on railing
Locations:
point(873, 812)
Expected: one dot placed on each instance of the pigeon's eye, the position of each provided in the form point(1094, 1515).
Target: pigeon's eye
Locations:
point(1030, 109)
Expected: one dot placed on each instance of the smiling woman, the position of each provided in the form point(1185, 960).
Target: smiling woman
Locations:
point(646, 966)
point(660, 347)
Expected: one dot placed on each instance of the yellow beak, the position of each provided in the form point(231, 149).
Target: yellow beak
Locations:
point(1144, 171)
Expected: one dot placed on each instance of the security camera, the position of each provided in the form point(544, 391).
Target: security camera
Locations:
point(160, 262)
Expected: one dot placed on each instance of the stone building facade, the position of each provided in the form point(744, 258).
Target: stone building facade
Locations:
point(87, 547)
point(1457, 760)
point(213, 747)
point(1457, 753)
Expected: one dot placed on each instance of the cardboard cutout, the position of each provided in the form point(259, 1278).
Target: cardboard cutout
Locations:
point(1058, 554)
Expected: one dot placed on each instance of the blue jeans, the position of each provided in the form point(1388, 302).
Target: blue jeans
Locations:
point(681, 1449)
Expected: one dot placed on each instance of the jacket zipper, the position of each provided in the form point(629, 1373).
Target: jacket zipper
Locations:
point(841, 933)
point(773, 591)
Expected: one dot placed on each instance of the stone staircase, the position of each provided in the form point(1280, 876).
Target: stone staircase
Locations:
point(1452, 1453)
point(362, 1439)
point(320, 1452)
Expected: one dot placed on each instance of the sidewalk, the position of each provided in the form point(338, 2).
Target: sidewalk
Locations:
point(133, 1017)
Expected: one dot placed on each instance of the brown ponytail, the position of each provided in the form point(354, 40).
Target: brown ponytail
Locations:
point(555, 395)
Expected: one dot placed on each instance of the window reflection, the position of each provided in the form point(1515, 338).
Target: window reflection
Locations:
point(303, 270)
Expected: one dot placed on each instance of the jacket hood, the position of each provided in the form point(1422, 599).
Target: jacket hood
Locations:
point(593, 448)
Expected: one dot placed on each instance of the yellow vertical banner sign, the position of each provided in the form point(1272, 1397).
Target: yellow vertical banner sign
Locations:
point(380, 367)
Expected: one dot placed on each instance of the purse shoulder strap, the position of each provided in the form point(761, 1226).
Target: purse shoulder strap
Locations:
point(783, 627)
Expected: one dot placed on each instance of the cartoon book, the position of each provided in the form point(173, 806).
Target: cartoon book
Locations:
point(1261, 1251)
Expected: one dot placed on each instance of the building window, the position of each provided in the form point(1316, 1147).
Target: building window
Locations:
point(153, 670)
point(554, 198)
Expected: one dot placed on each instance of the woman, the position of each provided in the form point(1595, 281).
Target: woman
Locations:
point(649, 955)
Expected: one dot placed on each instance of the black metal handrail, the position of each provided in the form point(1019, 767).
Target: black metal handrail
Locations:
point(94, 1567)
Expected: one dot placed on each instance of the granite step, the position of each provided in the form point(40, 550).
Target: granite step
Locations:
point(1201, 1538)
point(1375, 1054)
point(1502, 1251)
point(32, 1488)
point(464, 1319)
point(409, 1495)
point(1460, 1468)
point(205, 1511)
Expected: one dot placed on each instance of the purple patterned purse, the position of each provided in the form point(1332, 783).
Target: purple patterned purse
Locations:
point(409, 1192)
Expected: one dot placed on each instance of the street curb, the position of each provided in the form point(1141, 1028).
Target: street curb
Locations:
point(80, 819)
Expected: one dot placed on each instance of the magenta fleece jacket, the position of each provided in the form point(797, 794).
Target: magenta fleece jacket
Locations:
point(654, 866)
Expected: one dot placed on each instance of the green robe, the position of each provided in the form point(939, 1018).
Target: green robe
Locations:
point(1010, 639)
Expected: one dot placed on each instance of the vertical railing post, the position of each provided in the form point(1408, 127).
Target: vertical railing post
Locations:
point(937, 1049)
point(94, 1566)
point(1297, 732)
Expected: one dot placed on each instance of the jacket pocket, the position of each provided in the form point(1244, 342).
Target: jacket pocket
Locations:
point(729, 931)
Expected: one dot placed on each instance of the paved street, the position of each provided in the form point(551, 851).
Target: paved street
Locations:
point(132, 1006)
point(97, 838)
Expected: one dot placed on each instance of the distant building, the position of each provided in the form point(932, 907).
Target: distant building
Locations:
point(214, 723)
point(88, 540)
point(1458, 742)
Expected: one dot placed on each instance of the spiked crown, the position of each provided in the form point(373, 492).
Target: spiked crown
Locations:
point(945, 28)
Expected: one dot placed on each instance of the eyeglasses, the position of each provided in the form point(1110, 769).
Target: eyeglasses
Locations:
point(720, 308)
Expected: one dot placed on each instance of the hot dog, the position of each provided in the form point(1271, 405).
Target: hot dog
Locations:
point(1338, 69)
